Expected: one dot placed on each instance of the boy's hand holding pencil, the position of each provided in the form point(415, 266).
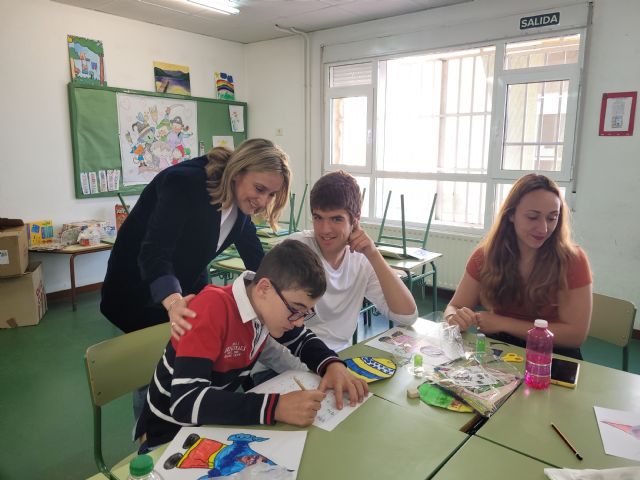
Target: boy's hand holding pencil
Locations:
point(299, 408)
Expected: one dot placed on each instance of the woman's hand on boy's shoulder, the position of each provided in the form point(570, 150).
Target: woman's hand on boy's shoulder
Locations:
point(338, 378)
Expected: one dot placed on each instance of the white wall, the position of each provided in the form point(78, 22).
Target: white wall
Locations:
point(606, 217)
point(275, 93)
point(36, 166)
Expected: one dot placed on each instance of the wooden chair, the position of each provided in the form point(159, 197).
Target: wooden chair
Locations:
point(612, 321)
point(118, 366)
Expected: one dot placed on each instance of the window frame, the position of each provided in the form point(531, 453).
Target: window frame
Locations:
point(495, 174)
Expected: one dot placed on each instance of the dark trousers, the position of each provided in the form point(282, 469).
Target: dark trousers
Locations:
point(505, 337)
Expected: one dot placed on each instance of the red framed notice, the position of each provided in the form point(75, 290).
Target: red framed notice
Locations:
point(617, 113)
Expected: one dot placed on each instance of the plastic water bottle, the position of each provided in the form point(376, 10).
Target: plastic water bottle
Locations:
point(141, 468)
point(539, 351)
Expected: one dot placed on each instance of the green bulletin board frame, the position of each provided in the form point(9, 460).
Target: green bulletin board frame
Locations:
point(95, 137)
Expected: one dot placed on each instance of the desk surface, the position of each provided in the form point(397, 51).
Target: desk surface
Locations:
point(523, 422)
point(73, 249)
point(363, 445)
point(408, 264)
point(395, 389)
point(480, 459)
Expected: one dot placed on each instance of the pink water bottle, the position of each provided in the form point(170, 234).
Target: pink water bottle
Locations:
point(539, 351)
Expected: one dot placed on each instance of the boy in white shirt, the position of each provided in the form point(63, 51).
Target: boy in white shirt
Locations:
point(354, 268)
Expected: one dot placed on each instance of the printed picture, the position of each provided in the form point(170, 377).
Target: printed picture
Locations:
point(155, 133)
point(86, 59)
point(171, 78)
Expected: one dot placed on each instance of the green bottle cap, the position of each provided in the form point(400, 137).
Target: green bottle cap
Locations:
point(417, 360)
point(141, 465)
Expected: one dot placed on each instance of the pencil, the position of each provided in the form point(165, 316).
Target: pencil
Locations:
point(297, 380)
point(578, 456)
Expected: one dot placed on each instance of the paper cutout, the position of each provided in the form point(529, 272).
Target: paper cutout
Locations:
point(371, 369)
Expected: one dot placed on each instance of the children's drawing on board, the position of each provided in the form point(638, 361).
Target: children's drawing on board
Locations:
point(210, 452)
point(155, 133)
point(86, 59)
point(170, 78)
point(224, 86)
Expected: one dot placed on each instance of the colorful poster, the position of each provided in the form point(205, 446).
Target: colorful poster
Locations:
point(155, 133)
point(224, 86)
point(170, 78)
point(215, 452)
point(86, 59)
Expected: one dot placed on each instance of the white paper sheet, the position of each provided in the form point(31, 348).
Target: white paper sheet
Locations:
point(328, 417)
point(620, 432)
point(240, 450)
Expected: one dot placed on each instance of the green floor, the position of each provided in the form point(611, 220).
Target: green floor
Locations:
point(45, 413)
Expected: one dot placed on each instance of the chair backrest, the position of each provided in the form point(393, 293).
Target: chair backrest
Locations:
point(612, 319)
point(122, 364)
point(118, 366)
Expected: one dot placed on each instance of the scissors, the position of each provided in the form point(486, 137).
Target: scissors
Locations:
point(512, 357)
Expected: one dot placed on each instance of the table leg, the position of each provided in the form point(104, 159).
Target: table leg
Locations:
point(72, 275)
point(434, 292)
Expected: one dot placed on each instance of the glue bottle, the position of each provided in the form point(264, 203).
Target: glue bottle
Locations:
point(539, 352)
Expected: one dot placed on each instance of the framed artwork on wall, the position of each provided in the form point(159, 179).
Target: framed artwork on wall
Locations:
point(617, 113)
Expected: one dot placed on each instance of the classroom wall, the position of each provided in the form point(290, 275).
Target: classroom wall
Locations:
point(605, 217)
point(275, 92)
point(36, 170)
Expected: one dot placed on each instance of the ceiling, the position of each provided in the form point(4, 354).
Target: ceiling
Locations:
point(257, 19)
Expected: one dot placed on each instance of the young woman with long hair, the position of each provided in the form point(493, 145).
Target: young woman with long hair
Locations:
point(527, 267)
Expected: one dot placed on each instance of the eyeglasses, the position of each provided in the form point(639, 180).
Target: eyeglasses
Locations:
point(295, 314)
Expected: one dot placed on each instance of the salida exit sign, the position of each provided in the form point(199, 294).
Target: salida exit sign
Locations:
point(543, 20)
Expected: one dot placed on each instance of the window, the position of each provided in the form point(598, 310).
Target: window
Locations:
point(464, 124)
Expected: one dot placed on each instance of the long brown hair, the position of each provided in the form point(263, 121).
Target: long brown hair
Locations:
point(500, 279)
point(253, 155)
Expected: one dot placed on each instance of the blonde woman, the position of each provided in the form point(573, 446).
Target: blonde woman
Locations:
point(526, 268)
point(185, 217)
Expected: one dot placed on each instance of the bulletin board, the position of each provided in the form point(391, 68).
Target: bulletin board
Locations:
point(95, 135)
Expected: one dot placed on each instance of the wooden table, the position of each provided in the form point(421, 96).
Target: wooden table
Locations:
point(73, 251)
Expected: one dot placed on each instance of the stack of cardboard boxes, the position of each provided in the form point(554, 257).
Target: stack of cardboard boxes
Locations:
point(23, 300)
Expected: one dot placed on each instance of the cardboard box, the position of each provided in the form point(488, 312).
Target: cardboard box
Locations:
point(23, 300)
point(14, 251)
point(40, 232)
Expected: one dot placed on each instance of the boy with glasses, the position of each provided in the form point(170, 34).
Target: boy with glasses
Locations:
point(196, 379)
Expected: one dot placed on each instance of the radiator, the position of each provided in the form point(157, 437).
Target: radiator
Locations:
point(455, 248)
